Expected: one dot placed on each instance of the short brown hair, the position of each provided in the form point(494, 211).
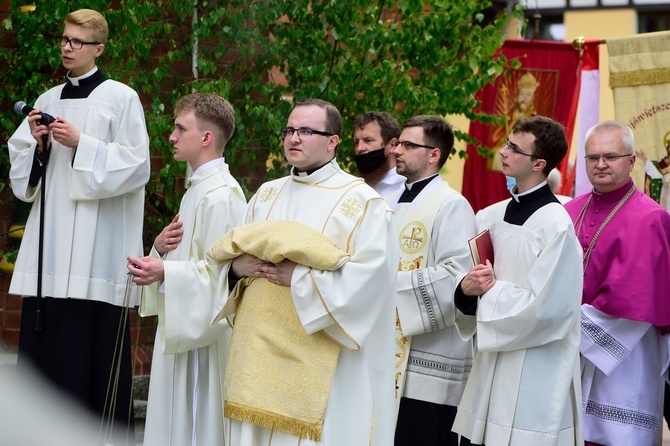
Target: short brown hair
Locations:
point(437, 132)
point(88, 18)
point(333, 119)
point(550, 144)
point(388, 124)
point(212, 113)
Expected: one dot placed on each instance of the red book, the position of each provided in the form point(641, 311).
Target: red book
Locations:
point(481, 248)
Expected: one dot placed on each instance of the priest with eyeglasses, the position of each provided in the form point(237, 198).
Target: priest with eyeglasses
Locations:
point(312, 351)
point(625, 238)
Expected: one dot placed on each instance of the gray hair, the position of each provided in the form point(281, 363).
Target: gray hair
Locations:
point(627, 138)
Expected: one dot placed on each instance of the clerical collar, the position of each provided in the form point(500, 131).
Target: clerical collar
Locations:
point(522, 206)
point(414, 189)
point(75, 80)
point(80, 87)
point(300, 173)
point(613, 196)
point(518, 197)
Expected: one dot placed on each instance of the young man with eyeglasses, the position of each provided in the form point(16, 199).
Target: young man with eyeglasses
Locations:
point(434, 223)
point(352, 306)
point(97, 164)
point(524, 388)
point(625, 238)
point(375, 135)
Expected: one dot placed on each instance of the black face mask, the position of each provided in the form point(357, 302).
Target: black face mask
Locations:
point(370, 161)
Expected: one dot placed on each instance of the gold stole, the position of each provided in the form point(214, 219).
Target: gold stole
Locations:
point(414, 239)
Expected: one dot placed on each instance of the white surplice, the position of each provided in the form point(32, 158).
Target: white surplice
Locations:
point(624, 366)
point(94, 194)
point(439, 360)
point(185, 392)
point(391, 184)
point(354, 305)
point(524, 388)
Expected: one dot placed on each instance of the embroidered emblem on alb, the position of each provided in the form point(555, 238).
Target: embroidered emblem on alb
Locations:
point(268, 194)
point(413, 237)
point(410, 265)
point(351, 208)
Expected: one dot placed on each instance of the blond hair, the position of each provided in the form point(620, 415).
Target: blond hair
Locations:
point(88, 18)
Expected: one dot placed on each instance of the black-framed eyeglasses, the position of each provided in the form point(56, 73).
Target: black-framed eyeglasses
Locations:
point(75, 44)
point(515, 149)
point(594, 159)
point(302, 132)
point(406, 145)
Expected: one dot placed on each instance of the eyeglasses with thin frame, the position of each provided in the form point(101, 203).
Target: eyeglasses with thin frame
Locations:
point(407, 145)
point(607, 159)
point(75, 44)
point(302, 132)
point(515, 149)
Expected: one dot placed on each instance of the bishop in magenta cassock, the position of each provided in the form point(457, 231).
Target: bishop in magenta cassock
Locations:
point(625, 237)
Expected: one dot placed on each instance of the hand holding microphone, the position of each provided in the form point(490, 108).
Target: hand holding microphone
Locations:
point(40, 135)
point(22, 108)
point(63, 131)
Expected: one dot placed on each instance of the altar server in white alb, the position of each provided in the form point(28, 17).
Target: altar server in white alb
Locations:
point(351, 308)
point(185, 404)
point(524, 389)
point(97, 163)
point(434, 223)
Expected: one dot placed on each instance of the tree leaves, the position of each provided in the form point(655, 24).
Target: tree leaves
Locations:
point(406, 57)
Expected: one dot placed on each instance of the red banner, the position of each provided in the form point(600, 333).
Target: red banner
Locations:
point(546, 85)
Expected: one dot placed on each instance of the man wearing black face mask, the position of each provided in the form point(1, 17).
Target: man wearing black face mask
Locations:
point(375, 134)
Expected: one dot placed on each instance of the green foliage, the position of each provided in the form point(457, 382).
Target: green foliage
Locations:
point(10, 254)
point(422, 57)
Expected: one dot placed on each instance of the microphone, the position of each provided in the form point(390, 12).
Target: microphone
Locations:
point(22, 108)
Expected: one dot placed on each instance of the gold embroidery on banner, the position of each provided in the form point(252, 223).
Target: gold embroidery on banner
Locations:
point(351, 207)
point(413, 237)
point(267, 194)
point(654, 76)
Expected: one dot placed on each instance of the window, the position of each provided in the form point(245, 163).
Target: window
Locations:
point(551, 26)
point(652, 21)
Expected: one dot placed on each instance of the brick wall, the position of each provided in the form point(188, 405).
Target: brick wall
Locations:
point(142, 334)
point(10, 311)
point(9, 305)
